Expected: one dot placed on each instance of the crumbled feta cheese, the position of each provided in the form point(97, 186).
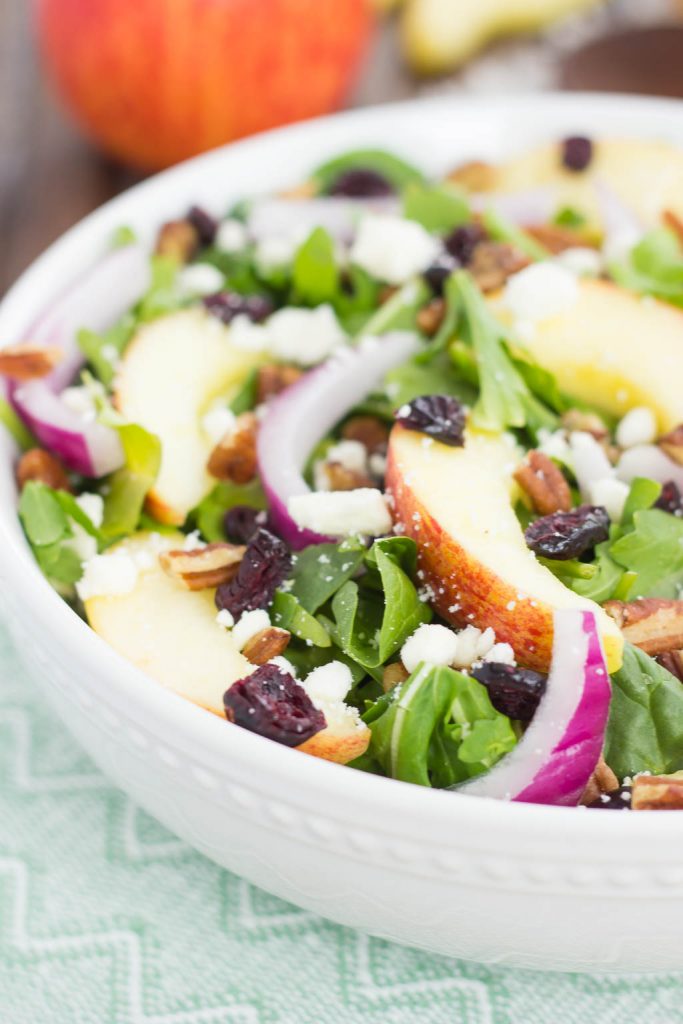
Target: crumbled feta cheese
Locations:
point(80, 400)
point(392, 248)
point(231, 235)
point(200, 279)
point(618, 244)
point(193, 542)
point(352, 455)
point(107, 575)
point(342, 513)
point(581, 261)
point(540, 291)
point(83, 544)
point(638, 426)
point(555, 445)
point(434, 644)
point(225, 618)
point(590, 462)
point(284, 664)
point(612, 494)
point(93, 506)
point(472, 646)
point(276, 251)
point(249, 624)
point(247, 335)
point(503, 654)
point(304, 336)
point(217, 422)
point(329, 683)
point(378, 464)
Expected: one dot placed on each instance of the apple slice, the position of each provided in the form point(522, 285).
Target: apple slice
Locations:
point(171, 633)
point(171, 373)
point(615, 350)
point(646, 175)
point(456, 504)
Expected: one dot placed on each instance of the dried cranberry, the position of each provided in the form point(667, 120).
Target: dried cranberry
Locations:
point(271, 703)
point(204, 224)
point(462, 242)
point(440, 416)
point(241, 523)
point(227, 305)
point(566, 535)
point(437, 274)
point(671, 499)
point(266, 563)
point(361, 183)
point(513, 691)
point(577, 153)
point(615, 800)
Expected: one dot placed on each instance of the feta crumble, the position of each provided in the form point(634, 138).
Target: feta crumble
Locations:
point(304, 336)
point(200, 279)
point(108, 575)
point(93, 506)
point(540, 291)
point(342, 513)
point(638, 426)
point(217, 422)
point(231, 235)
point(225, 619)
point(590, 462)
point(248, 625)
point(581, 261)
point(433, 643)
point(610, 493)
point(392, 248)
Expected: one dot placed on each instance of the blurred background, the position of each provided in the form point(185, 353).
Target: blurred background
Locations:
point(94, 94)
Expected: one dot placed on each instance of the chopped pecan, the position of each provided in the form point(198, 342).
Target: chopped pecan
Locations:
point(177, 239)
point(493, 262)
point(556, 238)
point(474, 176)
point(544, 483)
point(393, 675)
point(266, 645)
point(304, 190)
point(603, 780)
point(274, 378)
point(674, 223)
point(657, 793)
point(430, 317)
point(234, 457)
point(672, 661)
point(37, 464)
point(588, 422)
point(204, 567)
point(369, 430)
point(654, 624)
point(386, 292)
point(340, 478)
point(27, 361)
point(672, 444)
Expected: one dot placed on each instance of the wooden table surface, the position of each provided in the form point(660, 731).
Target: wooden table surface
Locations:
point(50, 177)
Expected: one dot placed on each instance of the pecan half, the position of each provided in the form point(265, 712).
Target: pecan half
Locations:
point(672, 661)
point(674, 223)
point(603, 780)
point(369, 430)
point(474, 176)
point(266, 645)
point(273, 379)
point(588, 422)
point(544, 483)
point(430, 317)
point(657, 793)
point(493, 262)
point(393, 675)
point(177, 239)
point(555, 237)
point(339, 478)
point(655, 624)
point(672, 444)
point(28, 361)
point(37, 464)
point(205, 567)
point(234, 457)
point(304, 190)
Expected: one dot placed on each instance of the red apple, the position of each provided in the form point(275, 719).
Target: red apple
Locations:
point(154, 82)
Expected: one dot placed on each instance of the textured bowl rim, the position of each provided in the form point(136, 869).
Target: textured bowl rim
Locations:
point(403, 808)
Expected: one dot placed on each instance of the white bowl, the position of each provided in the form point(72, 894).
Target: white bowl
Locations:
point(515, 884)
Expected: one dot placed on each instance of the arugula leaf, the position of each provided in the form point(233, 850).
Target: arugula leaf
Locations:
point(161, 296)
point(449, 323)
point(289, 613)
point(438, 728)
point(356, 299)
point(123, 236)
point(502, 230)
point(245, 399)
point(129, 485)
point(15, 426)
point(59, 563)
point(399, 312)
point(42, 515)
point(320, 570)
point(601, 586)
point(645, 727)
point(642, 495)
point(569, 217)
point(397, 172)
point(413, 378)
point(372, 624)
point(653, 550)
point(50, 519)
point(103, 350)
point(237, 268)
point(437, 208)
point(315, 277)
point(305, 657)
point(209, 514)
point(653, 267)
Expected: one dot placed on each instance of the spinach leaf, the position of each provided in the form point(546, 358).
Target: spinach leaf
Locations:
point(129, 485)
point(315, 277)
point(438, 728)
point(208, 516)
point(397, 172)
point(437, 208)
point(654, 550)
point(320, 570)
point(288, 613)
point(50, 519)
point(438, 377)
point(42, 515)
point(645, 727)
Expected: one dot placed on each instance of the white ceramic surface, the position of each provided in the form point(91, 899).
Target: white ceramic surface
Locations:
point(502, 883)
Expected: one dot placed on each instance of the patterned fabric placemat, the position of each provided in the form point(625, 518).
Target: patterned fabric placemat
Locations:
point(106, 918)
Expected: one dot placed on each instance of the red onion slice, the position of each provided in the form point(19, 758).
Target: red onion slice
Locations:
point(305, 412)
point(526, 208)
point(557, 755)
point(622, 229)
point(647, 460)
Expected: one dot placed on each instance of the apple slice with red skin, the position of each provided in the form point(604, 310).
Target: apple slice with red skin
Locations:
point(456, 503)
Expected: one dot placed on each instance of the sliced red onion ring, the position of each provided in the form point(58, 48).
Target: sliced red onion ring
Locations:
point(649, 461)
point(96, 301)
point(305, 412)
point(557, 755)
point(526, 208)
point(622, 228)
point(276, 218)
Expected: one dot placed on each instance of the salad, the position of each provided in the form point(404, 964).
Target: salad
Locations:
point(389, 469)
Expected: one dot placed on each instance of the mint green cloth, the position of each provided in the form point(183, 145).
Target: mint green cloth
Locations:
point(106, 918)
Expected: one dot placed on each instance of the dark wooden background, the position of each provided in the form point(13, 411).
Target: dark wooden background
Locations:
point(50, 177)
